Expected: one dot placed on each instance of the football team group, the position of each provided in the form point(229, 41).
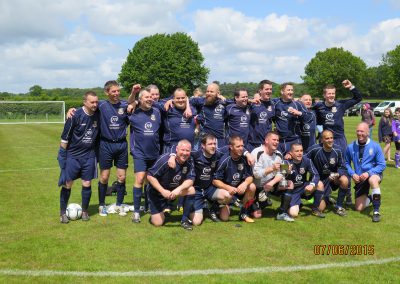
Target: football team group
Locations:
point(213, 154)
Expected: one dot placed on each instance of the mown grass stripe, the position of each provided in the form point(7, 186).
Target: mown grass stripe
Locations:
point(270, 269)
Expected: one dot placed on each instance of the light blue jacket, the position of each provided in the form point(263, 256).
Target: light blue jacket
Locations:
point(373, 161)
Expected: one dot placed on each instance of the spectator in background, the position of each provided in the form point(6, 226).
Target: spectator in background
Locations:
point(396, 135)
point(198, 93)
point(367, 116)
point(385, 133)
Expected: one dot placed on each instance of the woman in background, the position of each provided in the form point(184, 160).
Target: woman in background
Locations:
point(367, 116)
point(385, 133)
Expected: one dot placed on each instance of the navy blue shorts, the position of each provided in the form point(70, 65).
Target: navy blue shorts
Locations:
point(84, 168)
point(285, 144)
point(202, 195)
point(142, 165)
point(342, 143)
point(110, 152)
point(362, 188)
point(156, 201)
point(296, 196)
point(329, 186)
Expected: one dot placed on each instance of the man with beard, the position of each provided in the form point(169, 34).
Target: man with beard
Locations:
point(211, 118)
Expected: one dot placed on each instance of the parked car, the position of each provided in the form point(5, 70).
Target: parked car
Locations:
point(356, 109)
point(378, 111)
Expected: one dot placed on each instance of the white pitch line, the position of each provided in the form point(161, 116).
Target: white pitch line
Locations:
point(264, 270)
point(27, 170)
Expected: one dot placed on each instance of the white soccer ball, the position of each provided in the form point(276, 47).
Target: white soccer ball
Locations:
point(74, 211)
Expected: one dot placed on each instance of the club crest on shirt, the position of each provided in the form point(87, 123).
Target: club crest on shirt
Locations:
point(184, 170)
point(114, 119)
point(153, 117)
point(219, 108)
point(332, 161)
point(334, 109)
point(95, 123)
point(302, 171)
point(177, 178)
point(240, 167)
point(371, 152)
point(120, 110)
point(213, 164)
point(269, 108)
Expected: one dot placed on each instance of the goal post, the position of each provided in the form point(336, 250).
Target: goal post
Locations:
point(25, 112)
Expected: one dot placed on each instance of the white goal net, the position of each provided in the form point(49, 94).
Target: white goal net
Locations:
point(19, 112)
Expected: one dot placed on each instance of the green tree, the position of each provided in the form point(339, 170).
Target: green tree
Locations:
point(36, 91)
point(391, 66)
point(332, 66)
point(169, 61)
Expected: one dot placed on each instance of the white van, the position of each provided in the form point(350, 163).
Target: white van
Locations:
point(379, 109)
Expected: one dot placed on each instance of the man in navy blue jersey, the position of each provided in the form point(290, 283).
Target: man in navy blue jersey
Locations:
point(145, 123)
point(77, 156)
point(328, 159)
point(300, 184)
point(261, 115)
point(237, 116)
point(176, 125)
point(113, 149)
point(211, 118)
point(308, 127)
point(205, 163)
point(234, 175)
point(330, 115)
point(168, 183)
point(288, 115)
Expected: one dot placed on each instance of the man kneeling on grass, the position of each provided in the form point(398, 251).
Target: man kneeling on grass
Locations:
point(236, 177)
point(168, 183)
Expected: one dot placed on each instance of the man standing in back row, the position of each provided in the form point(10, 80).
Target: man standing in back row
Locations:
point(330, 115)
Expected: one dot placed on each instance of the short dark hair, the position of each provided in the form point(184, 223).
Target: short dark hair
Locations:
point(237, 91)
point(295, 145)
point(207, 136)
point(89, 93)
point(262, 83)
point(234, 138)
point(109, 84)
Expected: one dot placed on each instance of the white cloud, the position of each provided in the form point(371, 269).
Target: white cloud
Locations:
point(139, 17)
point(72, 61)
point(382, 38)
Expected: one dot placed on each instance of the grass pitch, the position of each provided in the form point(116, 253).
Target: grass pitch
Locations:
point(35, 247)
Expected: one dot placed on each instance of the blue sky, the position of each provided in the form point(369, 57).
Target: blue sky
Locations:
point(83, 43)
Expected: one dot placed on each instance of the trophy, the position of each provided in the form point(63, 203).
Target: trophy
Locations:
point(284, 171)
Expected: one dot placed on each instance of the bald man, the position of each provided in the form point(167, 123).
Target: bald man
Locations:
point(368, 166)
